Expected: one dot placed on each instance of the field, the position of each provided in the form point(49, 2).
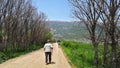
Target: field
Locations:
point(80, 55)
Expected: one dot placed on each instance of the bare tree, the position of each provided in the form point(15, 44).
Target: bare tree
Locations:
point(106, 12)
point(84, 11)
point(20, 23)
point(110, 14)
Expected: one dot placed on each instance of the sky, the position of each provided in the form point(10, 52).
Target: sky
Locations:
point(58, 10)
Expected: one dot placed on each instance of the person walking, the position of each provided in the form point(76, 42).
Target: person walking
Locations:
point(48, 48)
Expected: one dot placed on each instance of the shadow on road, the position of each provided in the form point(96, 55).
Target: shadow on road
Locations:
point(52, 62)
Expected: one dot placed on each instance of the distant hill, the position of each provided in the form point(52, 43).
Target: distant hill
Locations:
point(68, 30)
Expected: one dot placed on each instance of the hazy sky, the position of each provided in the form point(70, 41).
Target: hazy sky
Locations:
point(54, 9)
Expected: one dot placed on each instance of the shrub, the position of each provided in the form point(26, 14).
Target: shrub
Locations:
point(3, 57)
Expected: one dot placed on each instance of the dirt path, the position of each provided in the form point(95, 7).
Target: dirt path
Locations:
point(36, 60)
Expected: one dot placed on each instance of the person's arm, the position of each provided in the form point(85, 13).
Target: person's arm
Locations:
point(51, 48)
point(44, 47)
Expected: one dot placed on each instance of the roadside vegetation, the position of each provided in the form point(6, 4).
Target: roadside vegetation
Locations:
point(80, 55)
point(8, 54)
point(22, 28)
point(101, 18)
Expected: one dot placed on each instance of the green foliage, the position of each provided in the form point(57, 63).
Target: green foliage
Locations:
point(49, 35)
point(118, 56)
point(3, 57)
point(10, 54)
point(80, 54)
point(34, 47)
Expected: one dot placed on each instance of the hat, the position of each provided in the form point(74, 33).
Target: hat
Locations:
point(48, 40)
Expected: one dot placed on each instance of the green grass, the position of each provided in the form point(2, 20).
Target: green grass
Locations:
point(8, 55)
point(80, 54)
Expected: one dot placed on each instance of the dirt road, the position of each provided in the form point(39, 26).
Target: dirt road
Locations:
point(36, 59)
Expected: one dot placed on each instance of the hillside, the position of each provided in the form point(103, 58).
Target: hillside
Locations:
point(68, 30)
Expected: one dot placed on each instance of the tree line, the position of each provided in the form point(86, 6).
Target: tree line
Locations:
point(21, 25)
point(102, 20)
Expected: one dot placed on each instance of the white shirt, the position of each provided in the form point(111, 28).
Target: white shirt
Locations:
point(48, 47)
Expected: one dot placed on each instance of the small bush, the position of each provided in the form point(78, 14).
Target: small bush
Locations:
point(3, 57)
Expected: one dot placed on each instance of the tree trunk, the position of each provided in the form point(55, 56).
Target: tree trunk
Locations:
point(105, 54)
point(113, 54)
point(95, 44)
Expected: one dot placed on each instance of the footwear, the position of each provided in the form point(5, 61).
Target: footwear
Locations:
point(47, 63)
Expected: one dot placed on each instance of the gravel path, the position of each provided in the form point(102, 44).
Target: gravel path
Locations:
point(36, 59)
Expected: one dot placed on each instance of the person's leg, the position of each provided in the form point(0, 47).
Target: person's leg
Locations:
point(46, 57)
point(49, 57)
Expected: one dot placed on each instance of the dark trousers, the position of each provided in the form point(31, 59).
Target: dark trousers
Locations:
point(47, 56)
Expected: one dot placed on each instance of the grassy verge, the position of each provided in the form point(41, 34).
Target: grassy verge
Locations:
point(8, 55)
point(80, 54)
